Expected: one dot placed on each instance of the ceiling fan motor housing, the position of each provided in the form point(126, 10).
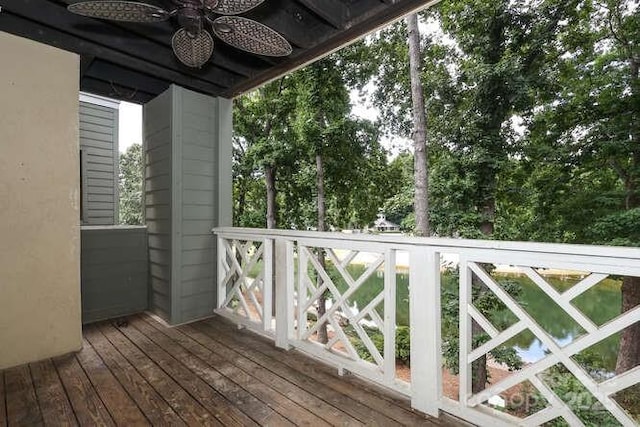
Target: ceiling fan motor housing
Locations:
point(190, 19)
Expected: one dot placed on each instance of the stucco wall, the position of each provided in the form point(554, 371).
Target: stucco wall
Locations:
point(39, 202)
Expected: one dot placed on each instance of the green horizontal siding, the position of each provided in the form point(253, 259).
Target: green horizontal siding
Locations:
point(114, 272)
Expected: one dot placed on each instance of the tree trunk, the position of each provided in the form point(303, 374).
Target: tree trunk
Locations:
point(420, 159)
point(480, 372)
point(242, 197)
point(270, 180)
point(320, 190)
point(272, 208)
point(479, 366)
point(629, 352)
point(488, 216)
point(323, 337)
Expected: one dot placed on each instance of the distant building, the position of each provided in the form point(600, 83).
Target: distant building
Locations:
point(383, 225)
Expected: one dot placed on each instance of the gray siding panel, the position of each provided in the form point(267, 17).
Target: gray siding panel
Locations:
point(99, 144)
point(197, 213)
point(97, 110)
point(157, 187)
point(182, 130)
point(114, 271)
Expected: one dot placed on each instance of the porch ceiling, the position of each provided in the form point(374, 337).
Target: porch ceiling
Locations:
point(135, 62)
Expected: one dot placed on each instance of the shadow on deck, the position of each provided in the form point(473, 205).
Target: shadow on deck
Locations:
point(205, 373)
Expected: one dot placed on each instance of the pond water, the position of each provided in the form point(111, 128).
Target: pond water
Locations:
point(600, 304)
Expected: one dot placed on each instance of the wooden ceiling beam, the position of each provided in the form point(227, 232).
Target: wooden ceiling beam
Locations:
point(85, 63)
point(294, 21)
point(333, 12)
point(111, 72)
point(114, 90)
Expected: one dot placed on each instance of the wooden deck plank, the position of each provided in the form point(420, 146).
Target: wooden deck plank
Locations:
point(368, 396)
point(86, 403)
point(122, 408)
point(206, 363)
point(181, 399)
point(206, 373)
point(156, 409)
point(54, 404)
point(222, 409)
point(205, 347)
point(335, 398)
point(256, 409)
point(3, 402)
point(22, 403)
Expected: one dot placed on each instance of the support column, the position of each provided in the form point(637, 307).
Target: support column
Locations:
point(187, 145)
point(39, 202)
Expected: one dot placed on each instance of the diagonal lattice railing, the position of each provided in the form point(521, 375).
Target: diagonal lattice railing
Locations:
point(308, 265)
point(324, 271)
point(557, 354)
point(245, 281)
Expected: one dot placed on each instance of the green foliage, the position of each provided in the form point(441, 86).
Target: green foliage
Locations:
point(570, 390)
point(583, 143)
point(403, 343)
point(618, 228)
point(285, 125)
point(130, 186)
point(489, 305)
point(261, 139)
point(400, 183)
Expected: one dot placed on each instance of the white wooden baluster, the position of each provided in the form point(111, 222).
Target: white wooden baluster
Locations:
point(284, 293)
point(303, 267)
point(222, 286)
point(465, 331)
point(426, 343)
point(267, 284)
point(389, 317)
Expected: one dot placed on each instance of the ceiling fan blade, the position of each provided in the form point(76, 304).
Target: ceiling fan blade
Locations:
point(126, 11)
point(193, 50)
point(234, 7)
point(251, 36)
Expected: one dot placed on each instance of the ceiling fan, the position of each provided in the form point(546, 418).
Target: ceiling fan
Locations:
point(192, 43)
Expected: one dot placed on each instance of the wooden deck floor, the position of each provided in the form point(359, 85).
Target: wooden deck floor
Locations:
point(207, 373)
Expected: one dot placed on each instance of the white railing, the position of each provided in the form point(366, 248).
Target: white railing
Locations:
point(307, 265)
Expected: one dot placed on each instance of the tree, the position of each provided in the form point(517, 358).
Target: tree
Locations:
point(323, 103)
point(343, 154)
point(130, 186)
point(590, 122)
point(262, 138)
point(398, 207)
point(384, 62)
point(503, 50)
point(420, 154)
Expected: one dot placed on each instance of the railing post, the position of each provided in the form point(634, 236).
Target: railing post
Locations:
point(426, 344)
point(284, 293)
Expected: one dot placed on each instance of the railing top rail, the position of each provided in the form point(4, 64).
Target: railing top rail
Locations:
point(618, 252)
